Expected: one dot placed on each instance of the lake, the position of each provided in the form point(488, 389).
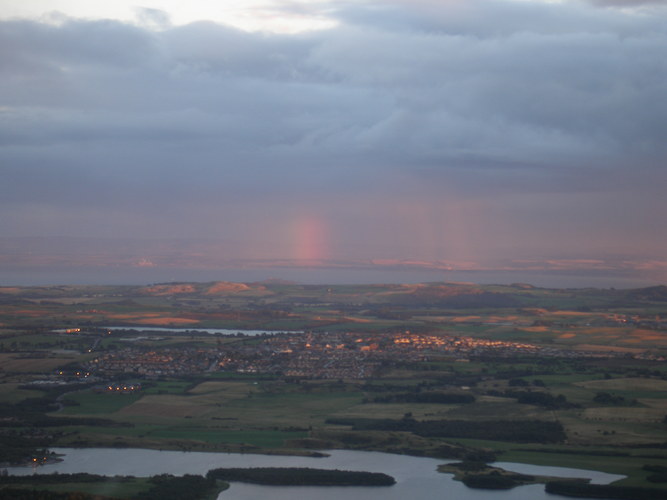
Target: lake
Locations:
point(211, 331)
point(417, 477)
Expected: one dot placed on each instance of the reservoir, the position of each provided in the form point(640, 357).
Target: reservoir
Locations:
point(416, 477)
point(210, 331)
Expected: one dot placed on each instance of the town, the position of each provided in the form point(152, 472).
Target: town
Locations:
point(312, 355)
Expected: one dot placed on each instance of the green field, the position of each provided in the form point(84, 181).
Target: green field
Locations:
point(603, 379)
point(90, 403)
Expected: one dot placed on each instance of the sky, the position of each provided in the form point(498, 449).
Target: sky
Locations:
point(453, 134)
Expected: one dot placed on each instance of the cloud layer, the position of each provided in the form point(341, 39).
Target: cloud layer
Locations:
point(431, 130)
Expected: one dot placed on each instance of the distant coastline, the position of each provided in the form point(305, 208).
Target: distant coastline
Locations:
point(118, 275)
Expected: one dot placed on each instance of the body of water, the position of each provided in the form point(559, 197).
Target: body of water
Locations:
point(417, 478)
point(211, 331)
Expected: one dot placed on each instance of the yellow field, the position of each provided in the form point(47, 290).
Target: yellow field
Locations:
point(465, 319)
point(152, 319)
point(648, 335)
point(536, 329)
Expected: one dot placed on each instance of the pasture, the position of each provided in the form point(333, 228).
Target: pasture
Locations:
point(36, 363)
point(87, 402)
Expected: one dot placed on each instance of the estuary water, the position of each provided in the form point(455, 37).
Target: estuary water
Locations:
point(416, 478)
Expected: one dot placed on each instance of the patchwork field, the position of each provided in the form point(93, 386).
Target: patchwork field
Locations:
point(587, 368)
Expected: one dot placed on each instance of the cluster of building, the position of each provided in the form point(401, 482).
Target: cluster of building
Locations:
point(154, 363)
point(312, 355)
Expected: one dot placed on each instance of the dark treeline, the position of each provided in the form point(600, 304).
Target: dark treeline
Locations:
point(168, 487)
point(37, 420)
point(543, 399)
point(594, 453)
point(24, 424)
point(31, 411)
point(25, 494)
point(29, 406)
point(293, 476)
point(163, 487)
point(604, 398)
point(79, 477)
point(659, 473)
point(584, 490)
point(525, 431)
point(17, 449)
point(436, 380)
point(425, 397)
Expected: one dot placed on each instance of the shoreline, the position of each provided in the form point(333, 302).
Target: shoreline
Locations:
point(447, 465)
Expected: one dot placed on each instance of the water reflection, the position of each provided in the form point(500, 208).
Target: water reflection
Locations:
point(417, 478)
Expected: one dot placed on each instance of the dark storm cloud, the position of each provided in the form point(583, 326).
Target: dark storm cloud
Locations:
point(420, 100)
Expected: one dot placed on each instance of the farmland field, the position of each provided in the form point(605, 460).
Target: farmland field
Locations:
point(382, 367)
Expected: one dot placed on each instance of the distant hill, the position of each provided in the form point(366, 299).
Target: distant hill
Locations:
point(652, 293)
point(455, 296)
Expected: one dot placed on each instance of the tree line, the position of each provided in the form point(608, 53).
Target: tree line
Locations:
point(524, 431)
point(585, 490)
point(301, 476)
point(425, 397)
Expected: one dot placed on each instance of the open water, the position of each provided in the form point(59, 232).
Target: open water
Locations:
point(211, 331)
point(417, 478)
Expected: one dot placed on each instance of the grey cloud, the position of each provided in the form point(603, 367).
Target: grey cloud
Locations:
point(487, 18)
point(404, 99)
point(153, 18)
point(626, 3)
point(86, 43)
point(530, 93)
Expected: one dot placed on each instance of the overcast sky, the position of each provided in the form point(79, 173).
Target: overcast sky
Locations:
point(458, 130)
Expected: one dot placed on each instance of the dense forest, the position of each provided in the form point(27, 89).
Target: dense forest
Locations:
point(302, 476)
